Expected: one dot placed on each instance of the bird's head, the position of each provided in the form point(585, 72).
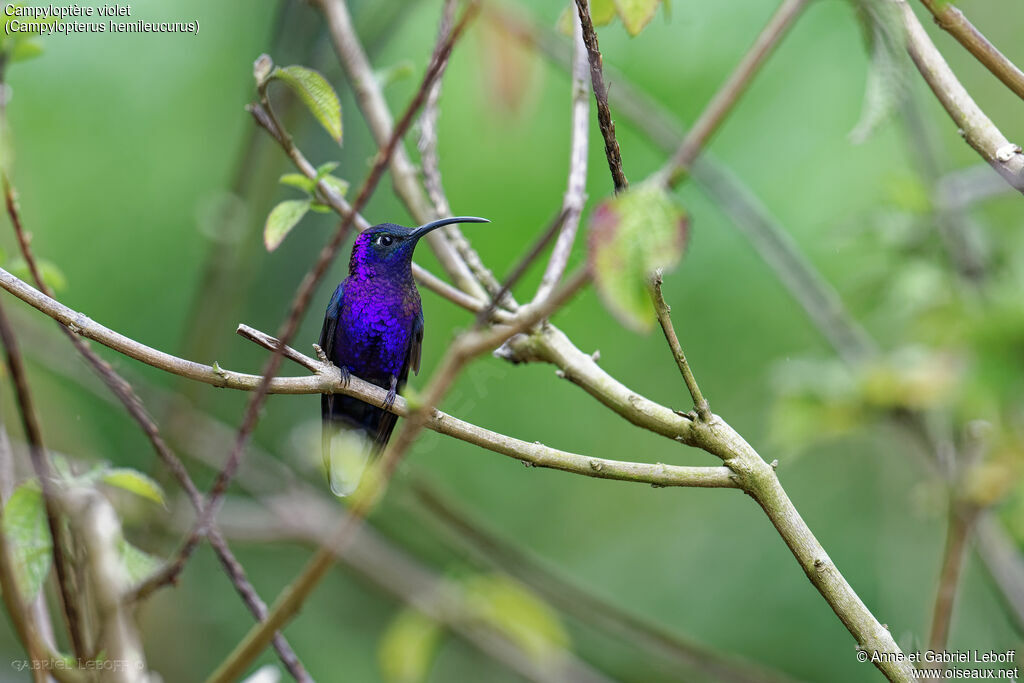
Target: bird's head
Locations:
point(388, 247)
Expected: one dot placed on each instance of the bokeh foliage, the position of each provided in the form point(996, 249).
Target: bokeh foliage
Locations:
point(128, 154)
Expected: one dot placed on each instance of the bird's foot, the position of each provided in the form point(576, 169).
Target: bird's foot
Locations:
point(389, 400)
point(346, 376)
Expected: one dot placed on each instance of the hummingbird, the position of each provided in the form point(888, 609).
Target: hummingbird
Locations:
point(373, 328)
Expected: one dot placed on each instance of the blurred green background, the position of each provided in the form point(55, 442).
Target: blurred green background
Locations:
point(138, 168)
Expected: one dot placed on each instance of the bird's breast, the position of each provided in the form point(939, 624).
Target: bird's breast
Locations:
point(375, 330)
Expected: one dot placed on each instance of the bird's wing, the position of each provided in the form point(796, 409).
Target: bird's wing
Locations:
point(412, 360)
point(331, 321)
point(327, 344)
point(415, 344)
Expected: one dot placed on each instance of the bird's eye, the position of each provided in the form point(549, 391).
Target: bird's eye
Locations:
point(385, 240)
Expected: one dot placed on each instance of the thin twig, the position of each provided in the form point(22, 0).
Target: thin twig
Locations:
point(308, 286)
point(137, 411)
point(522, 266)
point(952, 20)
point(665, 320)
point(604, 115)
point(576, 186)
point(427, 145)
point(962, 516)
point(722, 102)
point(44, 472)
point(975, 127)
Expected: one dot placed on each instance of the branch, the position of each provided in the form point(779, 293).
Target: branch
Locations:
point(722, 103)
point(44, 472)
point(979, 131)
point(575, 192)
point(137, 411)
point(96, 524)
point(665, 320)
point(953, 21)
point(27, 631)
point(427, 145)
point(370, 99)
point(962, 516)
point(604, 115)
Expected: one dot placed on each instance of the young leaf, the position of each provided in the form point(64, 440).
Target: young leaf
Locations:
point(26, 49)
point(336, 184)
point(887, 79)
point(27, 532)
point(631, 236)
point(636, 14)
point(282, 219)
point(137, 564)
point(408, 647)
point(325, 168)
point(392, 74)
point(316, 93)
point(523, 617)
point(135, 482)
point(52, 275)
point(298, 181)
point(601, 13)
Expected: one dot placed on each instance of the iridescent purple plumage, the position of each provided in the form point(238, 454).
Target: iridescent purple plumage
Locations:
point(374, 328)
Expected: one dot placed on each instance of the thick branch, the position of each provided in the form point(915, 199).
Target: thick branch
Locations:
point(137, 411)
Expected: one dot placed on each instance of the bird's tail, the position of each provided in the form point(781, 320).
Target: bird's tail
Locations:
point(346, 448)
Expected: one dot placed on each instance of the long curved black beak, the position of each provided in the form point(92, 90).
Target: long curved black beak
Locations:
point(424, 229)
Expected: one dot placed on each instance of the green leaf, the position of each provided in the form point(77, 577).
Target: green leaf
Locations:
point(337, 184)
point(28, 534)
point(52, 275)
point(316, 93)
point(519, 614)
point(636, 14)
point(26, 49)
point(298, 181)
point(138, 564)
point(392, 74)
point(631, 236)
point(407, 648)
point(135, 482)
point(602, 12)
point(282, 219)
point(325, 168)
